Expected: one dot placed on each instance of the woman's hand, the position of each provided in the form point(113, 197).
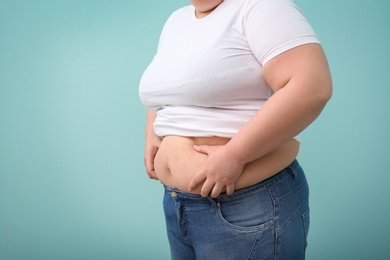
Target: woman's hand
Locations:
point(151, 147)
point(222, 170)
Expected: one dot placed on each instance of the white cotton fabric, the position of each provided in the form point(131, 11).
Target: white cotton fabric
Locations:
point(206, 77)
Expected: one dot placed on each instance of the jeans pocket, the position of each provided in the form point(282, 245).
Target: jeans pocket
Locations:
point(250, 213)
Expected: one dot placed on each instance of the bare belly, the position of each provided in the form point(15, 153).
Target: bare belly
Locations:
point(176, 162)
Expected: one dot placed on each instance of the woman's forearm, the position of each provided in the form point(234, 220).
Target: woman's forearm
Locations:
point(152, 144)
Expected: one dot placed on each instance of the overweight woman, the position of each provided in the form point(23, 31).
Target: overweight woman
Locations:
point(231, 86)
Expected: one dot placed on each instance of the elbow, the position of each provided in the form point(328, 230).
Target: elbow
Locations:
point(325, 94)
point(326, 90)
point(326, 86)
point(321, 96)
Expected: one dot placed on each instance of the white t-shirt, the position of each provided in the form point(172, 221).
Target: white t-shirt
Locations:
point(206, 77)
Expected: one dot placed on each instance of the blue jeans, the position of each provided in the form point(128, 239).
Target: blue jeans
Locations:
point(269, 220)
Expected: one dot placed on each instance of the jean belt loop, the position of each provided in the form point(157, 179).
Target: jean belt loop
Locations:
point(292, 171)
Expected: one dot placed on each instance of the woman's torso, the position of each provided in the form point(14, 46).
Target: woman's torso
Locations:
point(176, 162)
point(206, 79)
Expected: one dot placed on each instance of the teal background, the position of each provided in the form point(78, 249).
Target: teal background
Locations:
point(72, 181)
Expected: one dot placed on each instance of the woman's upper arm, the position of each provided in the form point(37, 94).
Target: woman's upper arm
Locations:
point(305, 65)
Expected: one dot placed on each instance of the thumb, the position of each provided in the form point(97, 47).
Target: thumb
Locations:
point(202, 148)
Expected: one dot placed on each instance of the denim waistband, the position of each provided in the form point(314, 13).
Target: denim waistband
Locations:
point(289, 170)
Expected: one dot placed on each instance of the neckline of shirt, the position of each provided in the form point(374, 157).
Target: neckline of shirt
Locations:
point(193, 13)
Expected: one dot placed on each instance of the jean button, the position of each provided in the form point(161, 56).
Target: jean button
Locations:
point(174, 194)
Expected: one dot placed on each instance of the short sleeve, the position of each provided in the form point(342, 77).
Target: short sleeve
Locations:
point(272, 27)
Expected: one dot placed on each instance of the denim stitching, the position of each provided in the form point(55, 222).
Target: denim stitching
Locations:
point(280, 231)
point(292, 193)
point(292, 217)
point(253, 246)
